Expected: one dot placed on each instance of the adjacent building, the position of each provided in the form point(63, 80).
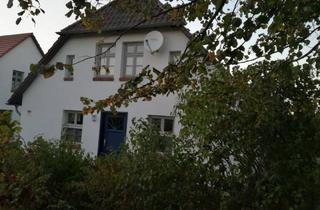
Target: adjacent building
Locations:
point(17, 52)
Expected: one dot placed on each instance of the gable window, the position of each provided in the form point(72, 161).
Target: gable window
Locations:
point(68, 75)
point(162, 123)
point(72, 126)
point(132, 60)
point(174, 57)
point(105, 62)
point(17, 78)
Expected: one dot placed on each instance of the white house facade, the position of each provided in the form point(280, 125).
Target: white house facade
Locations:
point(17, 52)
point(51, 107)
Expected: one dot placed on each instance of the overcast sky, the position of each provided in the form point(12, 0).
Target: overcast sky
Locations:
point(46, 24)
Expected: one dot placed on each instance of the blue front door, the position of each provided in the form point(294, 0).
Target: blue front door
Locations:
point(112, 132)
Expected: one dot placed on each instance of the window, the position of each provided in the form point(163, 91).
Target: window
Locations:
point(69, 61)
point(163, 123)
point(17, 78)
point(72, 127)
point(133, 59)
point(174, 57)
point(105, 62)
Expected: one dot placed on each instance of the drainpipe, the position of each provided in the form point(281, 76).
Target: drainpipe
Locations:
point(17, 110)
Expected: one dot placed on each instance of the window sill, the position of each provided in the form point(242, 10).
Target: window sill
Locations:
point(105, 78)
point(68, 78)
point(125, 78)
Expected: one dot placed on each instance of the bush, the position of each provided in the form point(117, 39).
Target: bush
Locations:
point(41, 174)
point(251, 140)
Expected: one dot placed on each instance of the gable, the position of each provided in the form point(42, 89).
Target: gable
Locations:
point(9, 42)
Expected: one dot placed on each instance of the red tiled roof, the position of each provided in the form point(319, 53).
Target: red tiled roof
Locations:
point(9, 42)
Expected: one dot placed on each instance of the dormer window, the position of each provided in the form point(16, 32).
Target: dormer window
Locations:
point(132, 60)
point(105, 62)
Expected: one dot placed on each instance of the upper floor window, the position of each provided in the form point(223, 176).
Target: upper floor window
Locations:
point(69, 61)
point(133, 59)
point(174, 57)
point(105, 60)
point(17, 78)
point(163, 123)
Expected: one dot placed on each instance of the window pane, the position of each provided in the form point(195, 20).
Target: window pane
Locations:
point(78, 133)
point(138, 69)
point(104, 70)
point(79, 119)
point(168, 125)
point(140, 48)
point(71, 118)
point(115, 123)
point(129, 71)
point(111, 70)
point(69, 59)
point(174, 56)
point(103, 61)
point(105, 49)
point(17, 78)
point(129, 61)
point(139, 61)
point(130, 48)
point(70, 134)
point(156, 122)
point(112, 61)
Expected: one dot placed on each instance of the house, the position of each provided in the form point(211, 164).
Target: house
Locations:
point(52, 107)
point(17, 52)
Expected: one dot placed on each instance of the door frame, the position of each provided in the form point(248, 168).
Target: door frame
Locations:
point(102, 126)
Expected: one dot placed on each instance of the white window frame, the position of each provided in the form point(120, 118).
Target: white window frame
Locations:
point(106, 55)
point(162, 122)
point(74, 125)
point(173, 55)
point(69, 61)
point(15, 76)
point(133, 55)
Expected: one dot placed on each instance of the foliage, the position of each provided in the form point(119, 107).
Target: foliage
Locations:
point(41, 174)
point(250, 140)
point(258, 134)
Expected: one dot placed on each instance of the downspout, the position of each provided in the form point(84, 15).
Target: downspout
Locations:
point(17, 110)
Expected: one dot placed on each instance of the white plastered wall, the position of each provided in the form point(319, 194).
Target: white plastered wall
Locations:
point(46, 99)
point(18, 58)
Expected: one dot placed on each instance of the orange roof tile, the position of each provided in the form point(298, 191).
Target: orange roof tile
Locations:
point(9, 42)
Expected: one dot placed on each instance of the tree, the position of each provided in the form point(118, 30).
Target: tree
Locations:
point(257, 135)
point(234, 32)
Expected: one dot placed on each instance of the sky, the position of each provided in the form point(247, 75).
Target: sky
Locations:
point(54, 20)
point(46, 24)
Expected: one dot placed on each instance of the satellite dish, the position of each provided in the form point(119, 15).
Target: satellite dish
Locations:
point(153, 41)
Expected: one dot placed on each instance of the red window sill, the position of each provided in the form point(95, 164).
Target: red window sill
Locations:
point(108, 78)
point(68, 79)
point(125, 78)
